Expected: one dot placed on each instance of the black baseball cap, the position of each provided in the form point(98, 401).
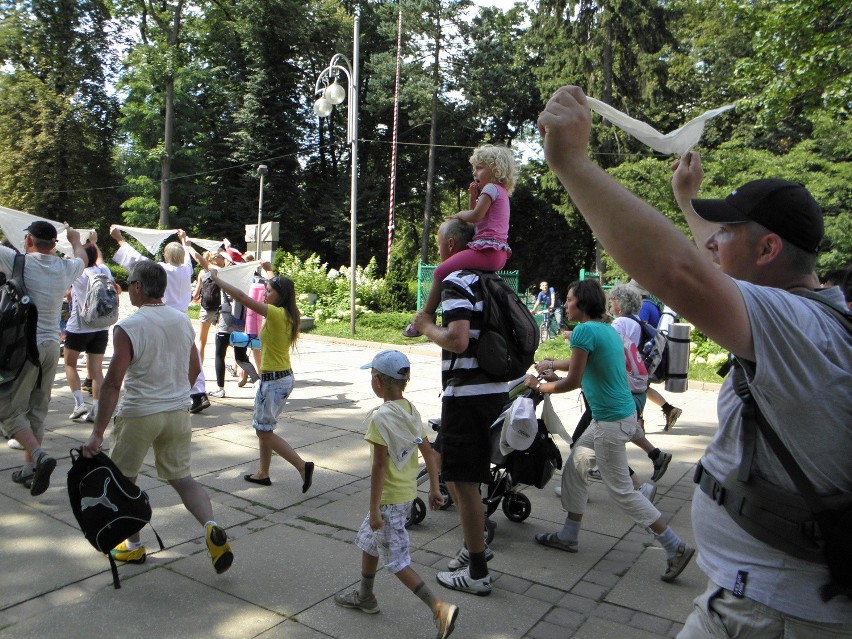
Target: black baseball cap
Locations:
point(42, 230)
point(783, 207)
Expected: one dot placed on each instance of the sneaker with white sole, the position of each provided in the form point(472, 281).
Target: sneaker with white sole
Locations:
point(90, 417)
point(461, 580)
point(14, 444)
point(219, 392)
point(671, 417)
point(462, 558)
point(676, 565)
point(661, 463)
point(557, 490)
point(649, 490)
point(445, 619)
point(78, 412)
point(370, 604)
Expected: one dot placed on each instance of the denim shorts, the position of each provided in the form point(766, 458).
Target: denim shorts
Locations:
point(269, 402)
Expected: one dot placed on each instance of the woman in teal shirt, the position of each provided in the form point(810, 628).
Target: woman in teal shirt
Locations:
point(597, 366)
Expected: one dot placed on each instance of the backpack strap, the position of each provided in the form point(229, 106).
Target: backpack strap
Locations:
point(754, 419)
point(32, 321)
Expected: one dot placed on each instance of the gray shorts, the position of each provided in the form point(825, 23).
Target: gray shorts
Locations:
point(207, 317)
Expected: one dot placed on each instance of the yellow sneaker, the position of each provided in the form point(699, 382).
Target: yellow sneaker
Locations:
point(123, 553)
point(220, 549)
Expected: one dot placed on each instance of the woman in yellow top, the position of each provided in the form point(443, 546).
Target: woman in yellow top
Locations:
point(277, 337)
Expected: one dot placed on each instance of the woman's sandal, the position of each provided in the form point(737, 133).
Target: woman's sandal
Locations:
point(553, 541)
point(309, 476)
point(265, 481)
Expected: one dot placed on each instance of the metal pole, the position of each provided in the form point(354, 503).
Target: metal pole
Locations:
point(262, 171)
point(353, 142)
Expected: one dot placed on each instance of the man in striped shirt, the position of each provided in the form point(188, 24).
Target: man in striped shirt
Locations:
point(472, 401)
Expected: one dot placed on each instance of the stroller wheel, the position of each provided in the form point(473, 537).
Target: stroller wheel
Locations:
point(448, 498)
point(417, 513)
point(490, 529)
point(516, 506)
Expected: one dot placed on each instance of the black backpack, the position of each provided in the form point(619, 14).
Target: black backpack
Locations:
point(107, 505)
point(18, 324)
point(509, 336)
point(211, 295)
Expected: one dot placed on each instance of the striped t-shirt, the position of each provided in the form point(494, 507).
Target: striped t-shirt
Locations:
point(461, 376)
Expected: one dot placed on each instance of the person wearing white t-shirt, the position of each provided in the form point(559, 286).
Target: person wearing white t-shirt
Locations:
point(81, 338)
point(24, 401)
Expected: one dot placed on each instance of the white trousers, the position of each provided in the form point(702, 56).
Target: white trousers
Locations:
point(603, 444)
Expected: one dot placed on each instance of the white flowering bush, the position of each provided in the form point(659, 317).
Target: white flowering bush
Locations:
point(332, 287)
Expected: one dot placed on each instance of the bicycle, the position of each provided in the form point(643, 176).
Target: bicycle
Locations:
point(547, 328)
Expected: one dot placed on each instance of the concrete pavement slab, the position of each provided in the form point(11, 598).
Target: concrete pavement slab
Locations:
point(282, 538)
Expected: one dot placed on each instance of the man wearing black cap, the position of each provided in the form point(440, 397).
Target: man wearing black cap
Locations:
point(24, 402)
point(764, 239)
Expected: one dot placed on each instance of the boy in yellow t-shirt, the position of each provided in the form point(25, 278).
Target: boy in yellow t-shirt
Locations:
point(395, 432)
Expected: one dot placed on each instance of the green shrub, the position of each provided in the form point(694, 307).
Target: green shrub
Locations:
point(119, 274)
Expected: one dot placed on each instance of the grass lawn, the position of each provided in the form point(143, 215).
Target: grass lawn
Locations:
point(387, 328)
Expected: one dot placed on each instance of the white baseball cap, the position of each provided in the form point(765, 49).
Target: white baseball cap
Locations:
point(520, 424)
point(391, 363)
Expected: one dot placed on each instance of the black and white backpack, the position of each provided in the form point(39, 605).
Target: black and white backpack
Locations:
point(107, 505)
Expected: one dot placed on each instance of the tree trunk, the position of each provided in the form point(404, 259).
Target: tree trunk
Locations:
point(166, 159)
point(169, 125)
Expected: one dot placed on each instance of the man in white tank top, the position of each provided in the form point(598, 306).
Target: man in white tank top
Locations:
point(154, 352)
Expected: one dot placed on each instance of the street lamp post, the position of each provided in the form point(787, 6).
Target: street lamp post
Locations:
point(331, 94)
point(262, 170)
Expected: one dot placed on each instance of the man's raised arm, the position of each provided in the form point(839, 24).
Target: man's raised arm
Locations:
point(655, 252)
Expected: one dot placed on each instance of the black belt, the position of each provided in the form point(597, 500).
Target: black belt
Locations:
point(268, 377)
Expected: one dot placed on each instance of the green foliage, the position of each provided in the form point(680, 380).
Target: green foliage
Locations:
point(332, 288)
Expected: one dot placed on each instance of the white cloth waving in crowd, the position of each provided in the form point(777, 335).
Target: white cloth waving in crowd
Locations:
point(677, 142)
point(239, 275)
point(152, 239)
point(14, 224)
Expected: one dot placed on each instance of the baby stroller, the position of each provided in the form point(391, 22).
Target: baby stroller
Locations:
point(510, 472)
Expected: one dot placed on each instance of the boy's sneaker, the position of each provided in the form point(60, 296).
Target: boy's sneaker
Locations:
point(649, 490)
point(461, 580)
point(445, 619)
point(123, 553)
point(219, 392)
point(370, 605)
point(661, 463)
point(220, 549)
point(14, 444)
point(41, 474)
point(671, 417)
point(462, 558)
point(676, 565)
point(90, 417)
point(78, 411)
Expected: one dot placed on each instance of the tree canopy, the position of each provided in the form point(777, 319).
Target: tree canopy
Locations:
point(89, 88)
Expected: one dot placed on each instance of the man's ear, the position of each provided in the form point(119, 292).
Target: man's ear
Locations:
point(770, 247)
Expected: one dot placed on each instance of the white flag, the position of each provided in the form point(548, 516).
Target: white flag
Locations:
point(239, 275)
point(677, 142)
point(15, 222)
point(151, 239)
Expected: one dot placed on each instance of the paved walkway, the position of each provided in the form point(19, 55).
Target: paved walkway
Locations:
point(294, 551)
